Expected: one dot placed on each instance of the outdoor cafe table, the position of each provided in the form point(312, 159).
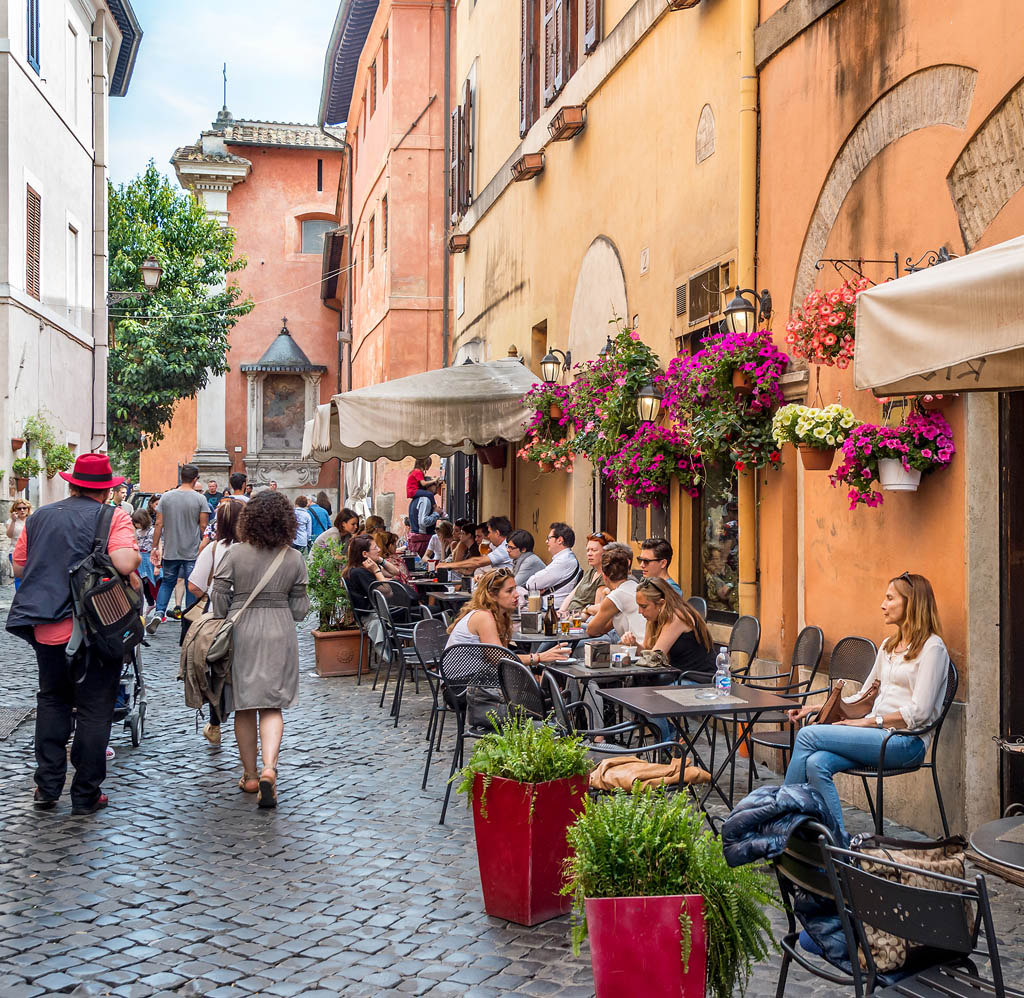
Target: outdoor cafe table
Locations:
point(676, 703)
point(986, 842)
point(529, 638)
point(451, 601)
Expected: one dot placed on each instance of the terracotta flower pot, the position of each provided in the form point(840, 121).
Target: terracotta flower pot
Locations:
point(493, 455)
point(895, 478)
point(521, 847)
point(546, 467)
point(816, 458)
point(741, 384)
point(337, 653)
point(636, 939)
point(555, 410)
point(21, 483)
point(17, 443)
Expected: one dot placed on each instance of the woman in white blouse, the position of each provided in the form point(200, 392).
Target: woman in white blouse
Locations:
point(912, 667)
point(617, 611)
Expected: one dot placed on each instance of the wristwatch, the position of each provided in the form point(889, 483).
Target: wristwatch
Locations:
point(879, 720)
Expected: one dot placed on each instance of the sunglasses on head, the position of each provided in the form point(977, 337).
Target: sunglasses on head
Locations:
point(906, 578)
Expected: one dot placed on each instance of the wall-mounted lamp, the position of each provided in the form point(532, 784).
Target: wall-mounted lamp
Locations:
point(554, 362)
point(648, 403)
point(742, 315)
point(607, 349)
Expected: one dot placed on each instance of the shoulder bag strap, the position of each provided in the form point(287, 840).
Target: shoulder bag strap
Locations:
point(262, 584)
point(106, 517)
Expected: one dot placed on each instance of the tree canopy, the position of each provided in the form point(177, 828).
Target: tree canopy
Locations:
point(167, 344)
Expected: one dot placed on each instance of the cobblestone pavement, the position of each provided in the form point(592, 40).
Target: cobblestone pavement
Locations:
point(182, 887)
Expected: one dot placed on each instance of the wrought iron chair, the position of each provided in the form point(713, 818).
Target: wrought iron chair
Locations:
point(466, 667)
point(945, 921)
point(880, 772)
point(360, 619)
point(428, 639)
point(520, 689)
point(700, 605)
point(397, 614)
point(744, 639)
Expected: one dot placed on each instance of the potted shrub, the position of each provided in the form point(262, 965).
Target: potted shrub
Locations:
point(39, 432)
point(24, 468)
point(58, 458)
point(526, 784)
point(894, 456)
point(336, 641)
point(666, 915)
point(815, 432)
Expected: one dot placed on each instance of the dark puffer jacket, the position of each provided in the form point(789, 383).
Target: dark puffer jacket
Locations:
point(760, 825)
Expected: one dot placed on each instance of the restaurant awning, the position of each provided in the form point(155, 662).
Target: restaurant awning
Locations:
point(437, 412)
point(955, 327)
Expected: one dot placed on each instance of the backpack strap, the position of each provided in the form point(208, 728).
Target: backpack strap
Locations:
point(105, 519)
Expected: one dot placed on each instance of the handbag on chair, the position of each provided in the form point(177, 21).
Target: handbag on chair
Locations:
point(835, 708)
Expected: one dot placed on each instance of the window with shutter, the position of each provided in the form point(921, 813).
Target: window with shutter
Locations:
point(558, 43)
point(453, 164)
point(373, 230)
point(531, 59)
point(32, 17)
point(466, 162)
point(384, 64)
point(33, 226)
point(373, 87)
point(384, 224)
point(591, 24)
point(549, 51)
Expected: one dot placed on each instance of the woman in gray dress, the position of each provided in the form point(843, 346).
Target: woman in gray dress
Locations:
point(265, 654)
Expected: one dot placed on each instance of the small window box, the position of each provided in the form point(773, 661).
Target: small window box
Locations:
point(458, 242)
point(527, 166)
point(682, 4)
point(568, 122)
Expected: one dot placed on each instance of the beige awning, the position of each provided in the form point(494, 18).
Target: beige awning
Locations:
point(955, 327)
point(438, 412)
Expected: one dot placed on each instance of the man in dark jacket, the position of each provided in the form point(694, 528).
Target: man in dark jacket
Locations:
point(55, 538)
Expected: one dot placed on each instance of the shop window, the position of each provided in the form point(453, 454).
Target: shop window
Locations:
point(718, 580)
point(313, 230)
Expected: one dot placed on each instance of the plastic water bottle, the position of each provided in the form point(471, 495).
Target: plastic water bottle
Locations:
point(723, 674)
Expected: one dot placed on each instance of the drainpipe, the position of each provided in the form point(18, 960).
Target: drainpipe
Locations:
point(746, 278)
point(446, 266)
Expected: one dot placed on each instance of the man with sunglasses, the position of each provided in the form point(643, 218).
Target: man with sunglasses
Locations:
point(655, 557)
point(560, 577)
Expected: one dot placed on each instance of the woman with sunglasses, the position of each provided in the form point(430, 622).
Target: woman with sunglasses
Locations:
point(674, 628)
point(912, 667)
point(487, 618)
point(21, 509)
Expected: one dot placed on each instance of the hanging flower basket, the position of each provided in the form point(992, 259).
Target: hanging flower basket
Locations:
point(741, 384)
point(895, 478)
point(822, 330)
point(548, 454)
point(816, 458)
point(555, 410)
point(493, 455)
point(546, 467)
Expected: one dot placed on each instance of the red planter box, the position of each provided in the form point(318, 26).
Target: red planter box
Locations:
point(520, 856)
point(635, 947)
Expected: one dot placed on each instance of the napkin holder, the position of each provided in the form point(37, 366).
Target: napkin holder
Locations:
point(531, 623)
point(597, 655)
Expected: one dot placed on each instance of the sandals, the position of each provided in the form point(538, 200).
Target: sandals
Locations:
point(268, 789)
point(249, 783)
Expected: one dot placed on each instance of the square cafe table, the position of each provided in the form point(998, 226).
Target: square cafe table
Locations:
point(675, 703)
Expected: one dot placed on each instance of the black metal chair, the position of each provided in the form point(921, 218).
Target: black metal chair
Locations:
point(806, 657)
point(397, 610)
point(521, 690)
point(700, 605)
point(800, 867)
point(428, 639)
point(744, 639)
point(464, 667)
point(360, 619)
point(943, 924)
point(880, 772)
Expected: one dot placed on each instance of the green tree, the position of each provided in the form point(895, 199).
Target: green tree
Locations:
point(166, 345)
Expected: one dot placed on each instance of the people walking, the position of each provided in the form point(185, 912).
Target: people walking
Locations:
point(303, 525)
point(321, 516)
point(265, 647)
point(56, 538)
point(143, 524)
point(20, 512)
point(181, 519)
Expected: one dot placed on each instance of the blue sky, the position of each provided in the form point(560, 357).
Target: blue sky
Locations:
point(275, 56)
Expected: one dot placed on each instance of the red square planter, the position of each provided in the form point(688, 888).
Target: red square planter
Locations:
point(521, 855)
point(635, 946)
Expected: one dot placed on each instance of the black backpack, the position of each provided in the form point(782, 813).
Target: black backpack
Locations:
point(106, 609)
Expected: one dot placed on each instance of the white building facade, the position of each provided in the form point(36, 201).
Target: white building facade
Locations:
point(60, 61)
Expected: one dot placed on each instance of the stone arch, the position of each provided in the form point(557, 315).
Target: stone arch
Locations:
point(937, 95)
point(600, 297)
point(990, 170)
point(705, 140)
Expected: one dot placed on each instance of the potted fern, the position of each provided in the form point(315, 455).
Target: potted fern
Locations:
point(661, 906)
point(526, 784)
point(337, 644)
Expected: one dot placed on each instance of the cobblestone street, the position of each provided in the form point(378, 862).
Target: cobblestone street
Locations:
point(182, 887)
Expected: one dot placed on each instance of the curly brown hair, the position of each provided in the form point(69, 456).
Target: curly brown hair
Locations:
point(268, 520)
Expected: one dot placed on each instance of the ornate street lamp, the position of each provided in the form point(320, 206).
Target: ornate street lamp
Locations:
point(741, 315)
point(648, 403)
point(551, 366)
point(151, 272)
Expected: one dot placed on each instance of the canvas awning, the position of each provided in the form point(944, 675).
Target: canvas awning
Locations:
point(955, 327)
point(437, 412)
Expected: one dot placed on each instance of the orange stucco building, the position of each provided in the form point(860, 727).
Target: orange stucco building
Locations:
point(275, 184)
point(887, 132)
point(390, 199)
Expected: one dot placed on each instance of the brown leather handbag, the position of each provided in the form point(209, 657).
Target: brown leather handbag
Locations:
point(836, 709)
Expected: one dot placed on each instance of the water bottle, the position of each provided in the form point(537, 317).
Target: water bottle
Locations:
point(723, 674)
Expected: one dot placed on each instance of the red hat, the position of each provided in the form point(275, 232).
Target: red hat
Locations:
point(92, 471)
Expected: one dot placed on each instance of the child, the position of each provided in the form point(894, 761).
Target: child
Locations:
point(143, 524)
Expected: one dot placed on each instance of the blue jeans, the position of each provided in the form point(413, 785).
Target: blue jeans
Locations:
point(822, 750)
point(170, 571)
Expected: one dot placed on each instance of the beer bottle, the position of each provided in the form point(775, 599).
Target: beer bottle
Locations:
point(550, 619)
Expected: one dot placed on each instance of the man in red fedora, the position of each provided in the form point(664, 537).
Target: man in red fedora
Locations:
point(55, 538)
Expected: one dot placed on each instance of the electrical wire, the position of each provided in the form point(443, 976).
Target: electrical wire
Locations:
point(114, 312)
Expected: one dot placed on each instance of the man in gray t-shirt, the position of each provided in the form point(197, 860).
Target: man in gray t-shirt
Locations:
point(181, 518)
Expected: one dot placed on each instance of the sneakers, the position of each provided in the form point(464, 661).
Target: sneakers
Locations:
point(154, 622)
point(211, 732)
point(176, 613)
point(97, 805)
point(109, 753)
point(42, 803)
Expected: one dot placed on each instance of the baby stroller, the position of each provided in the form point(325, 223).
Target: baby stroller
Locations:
point(131, 700)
